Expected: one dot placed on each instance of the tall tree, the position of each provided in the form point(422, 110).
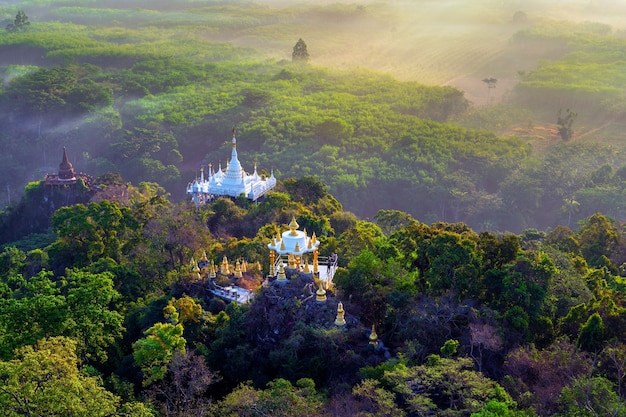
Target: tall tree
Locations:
point(300, 52)
point(565, 122)
point(44, 380)
point(20, 24)
point(154, 352)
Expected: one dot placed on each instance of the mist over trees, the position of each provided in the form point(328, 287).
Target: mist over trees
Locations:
point(479, 231)
point(155, 106)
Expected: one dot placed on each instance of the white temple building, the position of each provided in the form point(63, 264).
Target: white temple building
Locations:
point(231, 182)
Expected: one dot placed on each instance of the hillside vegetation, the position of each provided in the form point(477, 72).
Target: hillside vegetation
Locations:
point(466, 323)
point(481, 243)
point(153, 94)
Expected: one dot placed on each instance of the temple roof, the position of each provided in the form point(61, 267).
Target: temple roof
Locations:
point(66, 170)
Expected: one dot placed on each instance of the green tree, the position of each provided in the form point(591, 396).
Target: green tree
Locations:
point(591, 397)
point(443, 386)
point(591, 334)
point(564, 123)
point(391, 220)
point(279, 399)
point(87, 233)
point(45, 380)
point(453, 264)
point(156, 350)
point(35, 310)
point(495, 408)
point(20, 24)
point(300, 52)
point(360, 237)
point(375, 401)
point(93, 320)
point(598, 238)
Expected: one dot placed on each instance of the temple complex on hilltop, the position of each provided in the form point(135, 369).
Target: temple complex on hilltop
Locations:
point(231, 182)
point(74, 187)
point(66, 177)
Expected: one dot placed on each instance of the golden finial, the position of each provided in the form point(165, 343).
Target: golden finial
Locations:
point(320, 294)
point(373, 337)
point(225, 268)
point(282, 245)
point(281, 273)
point(340, 320)
point(293, 226)
point(297, 248)
point(238, 273)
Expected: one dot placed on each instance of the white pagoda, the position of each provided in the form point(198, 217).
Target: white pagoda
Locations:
point(231, 182)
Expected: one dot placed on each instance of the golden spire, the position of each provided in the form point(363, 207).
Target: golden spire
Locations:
point(225, 268)
point(313, 238)
point(212, 270)
point(340, 320)
point(282, 245)
point(281, 273)
point(307, 270)
point(297, 248)
point(272, 255)
point(238, 273)
point(293, 226)
point(320, 294)
point(373, 337)
point(204, 257)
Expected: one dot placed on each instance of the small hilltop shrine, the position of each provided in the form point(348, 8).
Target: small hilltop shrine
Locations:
point(66, 178)
point(294, 252)
point(231, 182)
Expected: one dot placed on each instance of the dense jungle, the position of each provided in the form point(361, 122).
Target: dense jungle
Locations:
point(465, 162)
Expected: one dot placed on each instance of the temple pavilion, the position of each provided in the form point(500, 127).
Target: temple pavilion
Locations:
point(231, 182)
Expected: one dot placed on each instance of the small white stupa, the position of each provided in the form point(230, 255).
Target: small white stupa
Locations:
point(294, 244)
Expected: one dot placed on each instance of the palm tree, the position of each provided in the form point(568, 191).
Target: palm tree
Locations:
point(570, 207)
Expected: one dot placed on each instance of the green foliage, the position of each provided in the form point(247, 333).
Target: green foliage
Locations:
point(300, 52)
point(591, 397)
point(449, 348)
point(449, 386)
point(155, 351)
point(280, 398)
point(87, 233)
point(565, 122)
point(44, 379)
point(591, 334)
point(81, 307)
point(20, 24)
